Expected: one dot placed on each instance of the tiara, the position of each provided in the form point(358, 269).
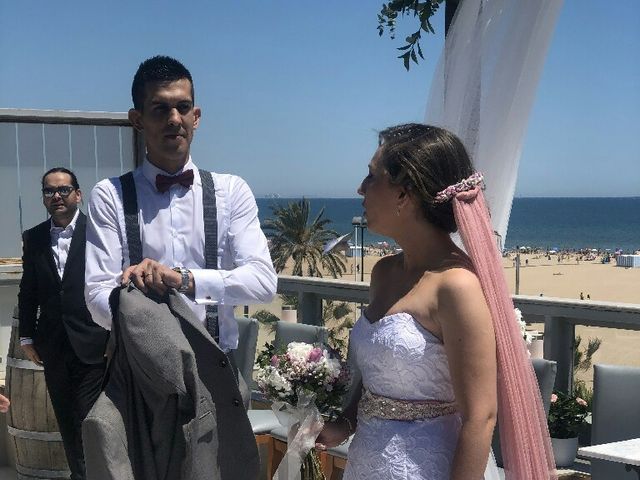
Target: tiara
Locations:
point(452, 190)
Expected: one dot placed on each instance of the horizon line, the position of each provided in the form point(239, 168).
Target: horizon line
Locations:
point(299, 197)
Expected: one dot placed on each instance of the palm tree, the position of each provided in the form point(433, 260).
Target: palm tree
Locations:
point(292, 236)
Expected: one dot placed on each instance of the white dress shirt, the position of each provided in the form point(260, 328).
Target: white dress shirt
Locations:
point(172, 233)
point(60, 243)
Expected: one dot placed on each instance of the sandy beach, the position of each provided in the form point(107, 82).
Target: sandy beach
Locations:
point(566, 279)
point(571, 278)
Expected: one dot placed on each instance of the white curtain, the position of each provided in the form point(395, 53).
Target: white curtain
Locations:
point(485, 83)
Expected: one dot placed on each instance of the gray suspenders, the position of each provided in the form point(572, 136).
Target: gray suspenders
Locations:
point(210, 218)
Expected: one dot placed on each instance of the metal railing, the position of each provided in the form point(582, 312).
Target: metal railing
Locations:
point(559, 315)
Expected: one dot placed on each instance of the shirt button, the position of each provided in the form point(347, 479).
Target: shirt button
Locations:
point(236, 402)
point(223, 363)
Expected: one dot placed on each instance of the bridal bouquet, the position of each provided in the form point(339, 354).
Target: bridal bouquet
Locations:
point(526, 336)
point(303, 383)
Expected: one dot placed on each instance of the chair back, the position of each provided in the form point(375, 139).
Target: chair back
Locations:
point(287, 332)
point(245, 355)
point(615, 416)
point(546, 374)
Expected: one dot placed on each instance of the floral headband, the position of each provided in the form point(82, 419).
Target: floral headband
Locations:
point(452, 190)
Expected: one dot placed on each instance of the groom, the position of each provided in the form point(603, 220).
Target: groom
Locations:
point(178, 208)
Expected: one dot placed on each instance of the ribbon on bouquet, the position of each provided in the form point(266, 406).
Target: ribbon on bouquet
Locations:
point(304, 423)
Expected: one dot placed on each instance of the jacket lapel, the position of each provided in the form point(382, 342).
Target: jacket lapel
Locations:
point(46, 251)
point(77, 243)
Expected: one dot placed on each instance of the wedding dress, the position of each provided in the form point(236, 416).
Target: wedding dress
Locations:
point(400, 359)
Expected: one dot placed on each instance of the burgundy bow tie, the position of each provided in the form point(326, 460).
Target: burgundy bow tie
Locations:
point(164, 182)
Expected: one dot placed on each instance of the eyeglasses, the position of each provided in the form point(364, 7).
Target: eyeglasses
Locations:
point(64, 191)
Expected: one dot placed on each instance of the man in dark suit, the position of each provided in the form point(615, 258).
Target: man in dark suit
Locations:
point(62, 338)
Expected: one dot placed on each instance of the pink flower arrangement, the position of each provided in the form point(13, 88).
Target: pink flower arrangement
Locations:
point(566, 415)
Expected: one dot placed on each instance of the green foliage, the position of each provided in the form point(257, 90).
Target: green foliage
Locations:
point(582, 361)
point(290, 299)
point(264, 356)
point(266, 318)
point(423, 11)
point(566, 415)
point(337, 312)
point(293, 236)
point(582, 357)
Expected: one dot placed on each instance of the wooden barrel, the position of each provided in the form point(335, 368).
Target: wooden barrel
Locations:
point(35, 437)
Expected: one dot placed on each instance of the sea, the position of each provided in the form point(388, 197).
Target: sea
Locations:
point(546, 223)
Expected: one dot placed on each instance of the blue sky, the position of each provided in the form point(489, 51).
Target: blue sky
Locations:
point(293, 92)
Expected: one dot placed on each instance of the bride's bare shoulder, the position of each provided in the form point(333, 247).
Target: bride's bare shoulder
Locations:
point(458, 277)
point(384, 268)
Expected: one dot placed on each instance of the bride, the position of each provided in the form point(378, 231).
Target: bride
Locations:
point(438, 348)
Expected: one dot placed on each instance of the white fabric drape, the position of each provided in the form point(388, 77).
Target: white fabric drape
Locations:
point(485, 83)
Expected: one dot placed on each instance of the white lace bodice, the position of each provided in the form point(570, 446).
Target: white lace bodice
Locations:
point(402, 359)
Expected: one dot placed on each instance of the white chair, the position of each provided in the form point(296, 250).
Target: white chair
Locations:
point(616, 415)
point(299, 332)
point(245, 354)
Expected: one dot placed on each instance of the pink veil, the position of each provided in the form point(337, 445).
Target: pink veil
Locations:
point(524, 435)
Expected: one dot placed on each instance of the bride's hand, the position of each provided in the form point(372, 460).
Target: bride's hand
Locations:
point(333, 434)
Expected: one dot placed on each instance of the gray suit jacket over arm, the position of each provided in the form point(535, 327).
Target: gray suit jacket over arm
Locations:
point(171, 408)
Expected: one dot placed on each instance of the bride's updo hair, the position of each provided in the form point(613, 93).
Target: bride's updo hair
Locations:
point(425, 160)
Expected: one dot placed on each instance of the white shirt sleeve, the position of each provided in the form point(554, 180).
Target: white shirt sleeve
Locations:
point(103, 252)
point(248, 276)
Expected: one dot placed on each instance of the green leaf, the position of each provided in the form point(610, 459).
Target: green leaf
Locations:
point(406, 47)
point(405, 58)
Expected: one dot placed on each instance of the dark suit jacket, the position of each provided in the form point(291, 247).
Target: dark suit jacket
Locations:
point(61, 300)
point(171, 409)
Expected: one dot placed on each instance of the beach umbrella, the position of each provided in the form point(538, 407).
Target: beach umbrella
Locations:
point(340, 243)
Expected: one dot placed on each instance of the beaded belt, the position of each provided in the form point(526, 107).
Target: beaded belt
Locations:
point(372, 405)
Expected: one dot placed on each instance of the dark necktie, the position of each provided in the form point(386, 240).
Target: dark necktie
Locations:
point(164, 182)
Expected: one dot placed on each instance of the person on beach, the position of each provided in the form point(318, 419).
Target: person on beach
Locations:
point(439, 330)
point(182, 211)
point(62, 337)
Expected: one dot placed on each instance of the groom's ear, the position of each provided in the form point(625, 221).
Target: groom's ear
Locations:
point(135, 119)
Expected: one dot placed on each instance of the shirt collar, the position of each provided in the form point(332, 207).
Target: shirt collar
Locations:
point(150, 171)
point(71, 227)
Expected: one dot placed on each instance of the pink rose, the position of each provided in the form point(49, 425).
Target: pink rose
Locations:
point(580, 401)
point(554, 398)
point(274, 361)
point(315, 354)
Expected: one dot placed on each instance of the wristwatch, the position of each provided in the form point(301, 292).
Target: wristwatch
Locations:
point(184, 282)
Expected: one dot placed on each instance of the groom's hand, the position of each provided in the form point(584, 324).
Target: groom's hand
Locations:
point(153, 275)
